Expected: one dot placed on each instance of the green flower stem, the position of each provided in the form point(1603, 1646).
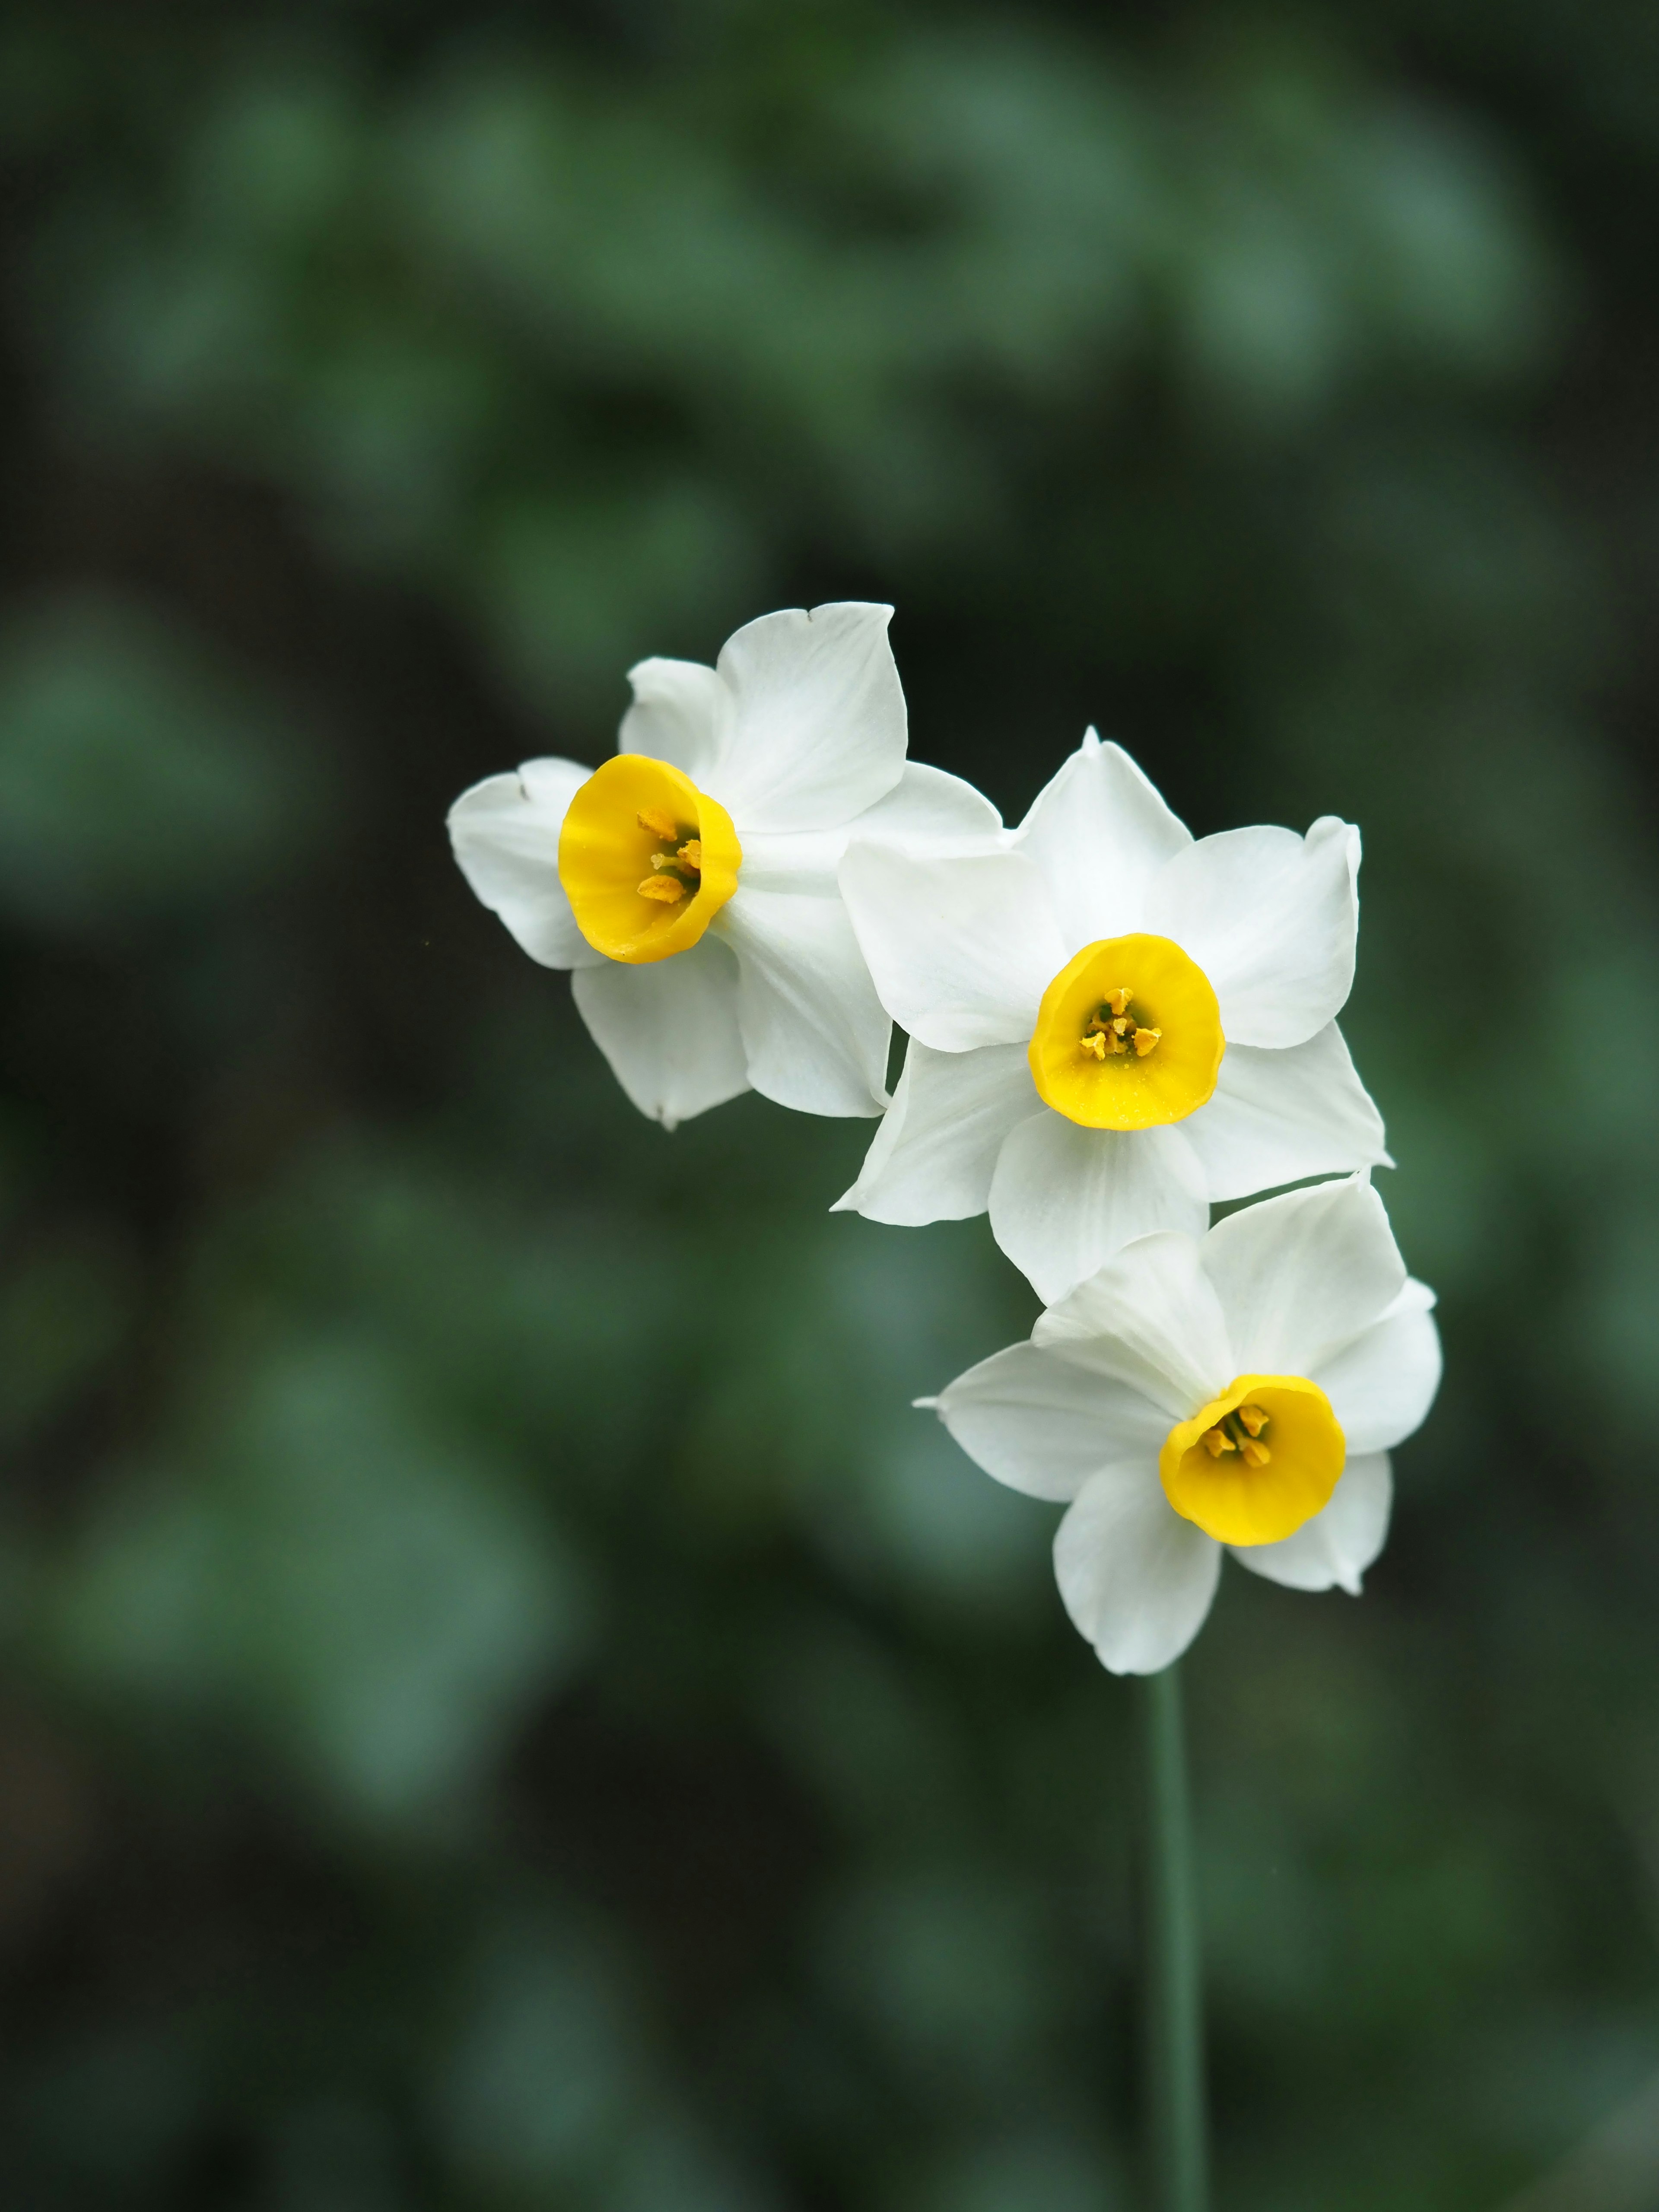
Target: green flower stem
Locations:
point(1176, 2134)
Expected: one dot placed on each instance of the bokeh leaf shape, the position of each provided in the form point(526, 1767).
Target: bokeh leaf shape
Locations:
point(546, 2064)
point(323, 1571)
point(64, 1307)
point(138, 779)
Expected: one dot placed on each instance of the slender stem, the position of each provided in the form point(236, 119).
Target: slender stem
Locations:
point(1179, 2151)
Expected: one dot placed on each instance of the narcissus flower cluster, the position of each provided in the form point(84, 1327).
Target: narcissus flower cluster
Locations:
point(1112, 1026)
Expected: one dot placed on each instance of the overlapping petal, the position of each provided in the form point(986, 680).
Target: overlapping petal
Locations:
point(927, 809)
point(1381, 1382)
point(1279, 1116)
point(1300, 1275)
point(681, 713)
point(816, 730)
point(934, 1157)
point(1136, 1579)
point(1100, 833)
point(505, 833)
point(1332, 1550)
point(815, 1034)
point(1151, 1319)
point(1272, 919)
point(669, 1029)
point(960, 948)
point(1065, 1198)
point(1044, 1426)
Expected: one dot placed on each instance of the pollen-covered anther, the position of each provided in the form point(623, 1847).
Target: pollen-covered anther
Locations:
point(1253, 1417)
point(658, 823)
point(668, 889)
point(1255, 1454)
point(1095, 1042)
point(1119, 1000)
point(690, 854)
point(1217, 1440)
point(1146, 1041)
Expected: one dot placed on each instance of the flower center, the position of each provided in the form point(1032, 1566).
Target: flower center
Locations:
point(645, 858)
point(1256, 1462)
point(1128, 1036)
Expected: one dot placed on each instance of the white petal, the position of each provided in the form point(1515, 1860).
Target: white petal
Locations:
point(1137, 1579)
point(814, 1030)
point(1150, 1318)
point(1279, 1116)
point(1064, 1198)
point(669, 1029)
point(1271, 917)
point(1335, 1548)
point(505, 832)
point(1382, 1384)
point(925, 810)
point(961, 949)
point(933, 1156)
point(1044, 1426)
point(681, 713)
point(817, 723)
point(927, 804)
point(1301, 1274)
point(1100, 833)
point(793, 861)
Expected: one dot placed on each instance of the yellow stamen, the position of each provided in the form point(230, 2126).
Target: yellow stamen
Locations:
point(1253, 1419)
point(1119, 1000)
point(658, 823)
point(668, 889)
point(690, 853)
point(1145, 1040)
point(1096, 1044)
point(1217, 1440)
point(1256, 1454)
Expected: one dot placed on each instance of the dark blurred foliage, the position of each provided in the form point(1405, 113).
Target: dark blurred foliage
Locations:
point(503, 1705)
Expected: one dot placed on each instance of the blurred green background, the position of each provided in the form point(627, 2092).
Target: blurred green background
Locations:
point(502, 1705)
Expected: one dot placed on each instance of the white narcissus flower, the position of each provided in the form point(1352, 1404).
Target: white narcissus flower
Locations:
point(1239, 1391)
point(1111, 1024)
point(689, 882)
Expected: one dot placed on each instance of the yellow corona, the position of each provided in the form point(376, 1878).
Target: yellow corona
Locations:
point(1254, 1464)
point(1128, 1036)
point(645, 858)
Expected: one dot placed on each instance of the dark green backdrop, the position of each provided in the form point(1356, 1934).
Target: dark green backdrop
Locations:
point(502, 1705)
